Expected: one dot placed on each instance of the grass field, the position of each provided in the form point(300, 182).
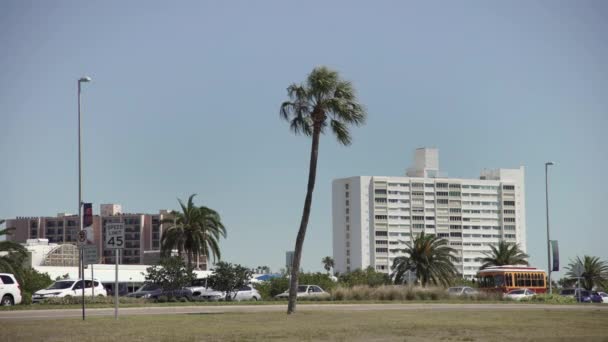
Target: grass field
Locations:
point(423, 325)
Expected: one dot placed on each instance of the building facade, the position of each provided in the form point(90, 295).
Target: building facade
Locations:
point(375, 216)
point(143, 233)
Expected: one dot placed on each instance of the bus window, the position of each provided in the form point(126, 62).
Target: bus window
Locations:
point(534, 280)
point(509, 279)
point(499, 280)
point(528, 280)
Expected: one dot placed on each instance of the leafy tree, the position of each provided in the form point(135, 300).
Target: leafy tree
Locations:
point(369, 277)
point(505, 254)
point(195, 231)
point(229, 278)
point(566, 282)
point(324, 100)
point(34, 281)
point(595, 271)
point(328, 263)
point(430, 257)
point(171, 275)
point(12, 255)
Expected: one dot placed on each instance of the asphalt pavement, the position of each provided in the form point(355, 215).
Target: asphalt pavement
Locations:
point(205, 309)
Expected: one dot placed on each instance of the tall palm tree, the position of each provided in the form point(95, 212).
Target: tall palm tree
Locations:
point(506, 253)
point(595, 271)
point(195, 231)
point(430, 257)
point(12, 254)
point(328, 263)
point(324, 100)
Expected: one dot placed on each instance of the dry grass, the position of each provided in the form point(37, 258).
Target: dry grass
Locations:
point(423, 325)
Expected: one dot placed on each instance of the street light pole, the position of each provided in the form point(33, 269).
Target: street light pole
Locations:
point(548, 236)
point(81, 261)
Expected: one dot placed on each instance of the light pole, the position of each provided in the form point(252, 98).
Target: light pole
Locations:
point(548, 236)
point(81, 261)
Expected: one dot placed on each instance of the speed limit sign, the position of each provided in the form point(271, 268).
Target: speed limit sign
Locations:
point(115, 236)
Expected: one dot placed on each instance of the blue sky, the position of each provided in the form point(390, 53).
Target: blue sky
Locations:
point(185, 99)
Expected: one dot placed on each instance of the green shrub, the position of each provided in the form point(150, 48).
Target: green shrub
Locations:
point(69, 300)
point(162, 299)
point(367, 277)
point(550, 299)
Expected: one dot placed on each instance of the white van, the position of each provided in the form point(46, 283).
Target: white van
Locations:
point(70, 288)
point(9, 290)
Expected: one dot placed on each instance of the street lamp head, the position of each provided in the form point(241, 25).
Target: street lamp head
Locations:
point(85, 79)
point(549, 163)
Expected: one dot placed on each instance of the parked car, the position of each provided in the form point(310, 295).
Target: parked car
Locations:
point(462, 291)
point(305, 291)
point(199, 289)
point(246, 292)
point(153, 291)
point(604, 296)
point(582, 295)
point(519, 294)
point(70, 288)
point(10, 292)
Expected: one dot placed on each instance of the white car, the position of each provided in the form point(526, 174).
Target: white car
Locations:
point(519, 294)
point(462, 291)
point(199, 289)
point(604, 296)
point(9, 290)
point(305, 291)
point(246, 292)
point(70, 288)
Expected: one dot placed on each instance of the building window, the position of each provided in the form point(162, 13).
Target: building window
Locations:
point(381, 217)
point(443, 235)
point(509, 203)
point(509, 219)
point(380, 191)
point(346, 194)
point(441, 185)
point(454, 186)
point(442, 201)
point(454, 193)
point(442, 193)
point(347, 227)
point(455, 218)
point(508, 187)
point(509, 211)
point(347, 210)
point(455, 234)
point(381, 233)
point(418, 218)
point(346, 186)
point(381, 242)
point(455, 210)
point(347, 203)
point(381, 250)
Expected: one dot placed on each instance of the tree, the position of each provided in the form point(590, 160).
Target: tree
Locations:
point(171, 275)
point(194, 230)
point(228, 278)
point(430, 257)
point(595, 271)
point(12, 255)
point(505, 254)
point(324, 100)
point(34, 281)
point(328, 263)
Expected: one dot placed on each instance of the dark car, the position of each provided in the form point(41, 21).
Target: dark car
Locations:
point(582, 295)
point(153, 291)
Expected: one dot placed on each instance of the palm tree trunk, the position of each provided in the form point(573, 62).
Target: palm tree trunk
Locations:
point(189, 259)
point(297, 255)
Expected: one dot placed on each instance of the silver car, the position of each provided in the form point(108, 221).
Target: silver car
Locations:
point(462, 291)
point(305, 291)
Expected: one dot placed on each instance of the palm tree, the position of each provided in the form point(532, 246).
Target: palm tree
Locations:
point(12, 254)
point(595, 271)
point(195, 231)
point(430, 257)
point(324, 100)
point(506, 253)
point(328, 263)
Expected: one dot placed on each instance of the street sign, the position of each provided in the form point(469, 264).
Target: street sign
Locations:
point(82, 237)
point(115, 236)
point(89, 253)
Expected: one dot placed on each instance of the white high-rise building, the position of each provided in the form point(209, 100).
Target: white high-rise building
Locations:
point(374, 216)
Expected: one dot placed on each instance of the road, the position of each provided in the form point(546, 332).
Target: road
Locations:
point(204, 309)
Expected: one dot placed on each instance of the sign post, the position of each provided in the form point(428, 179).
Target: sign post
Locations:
point(115, 239)
point(82, 241)
point(89, 255)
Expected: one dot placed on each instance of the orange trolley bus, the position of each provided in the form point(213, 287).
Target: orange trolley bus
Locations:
point(507, 278)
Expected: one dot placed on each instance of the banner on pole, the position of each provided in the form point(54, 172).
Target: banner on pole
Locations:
point(555, 249)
